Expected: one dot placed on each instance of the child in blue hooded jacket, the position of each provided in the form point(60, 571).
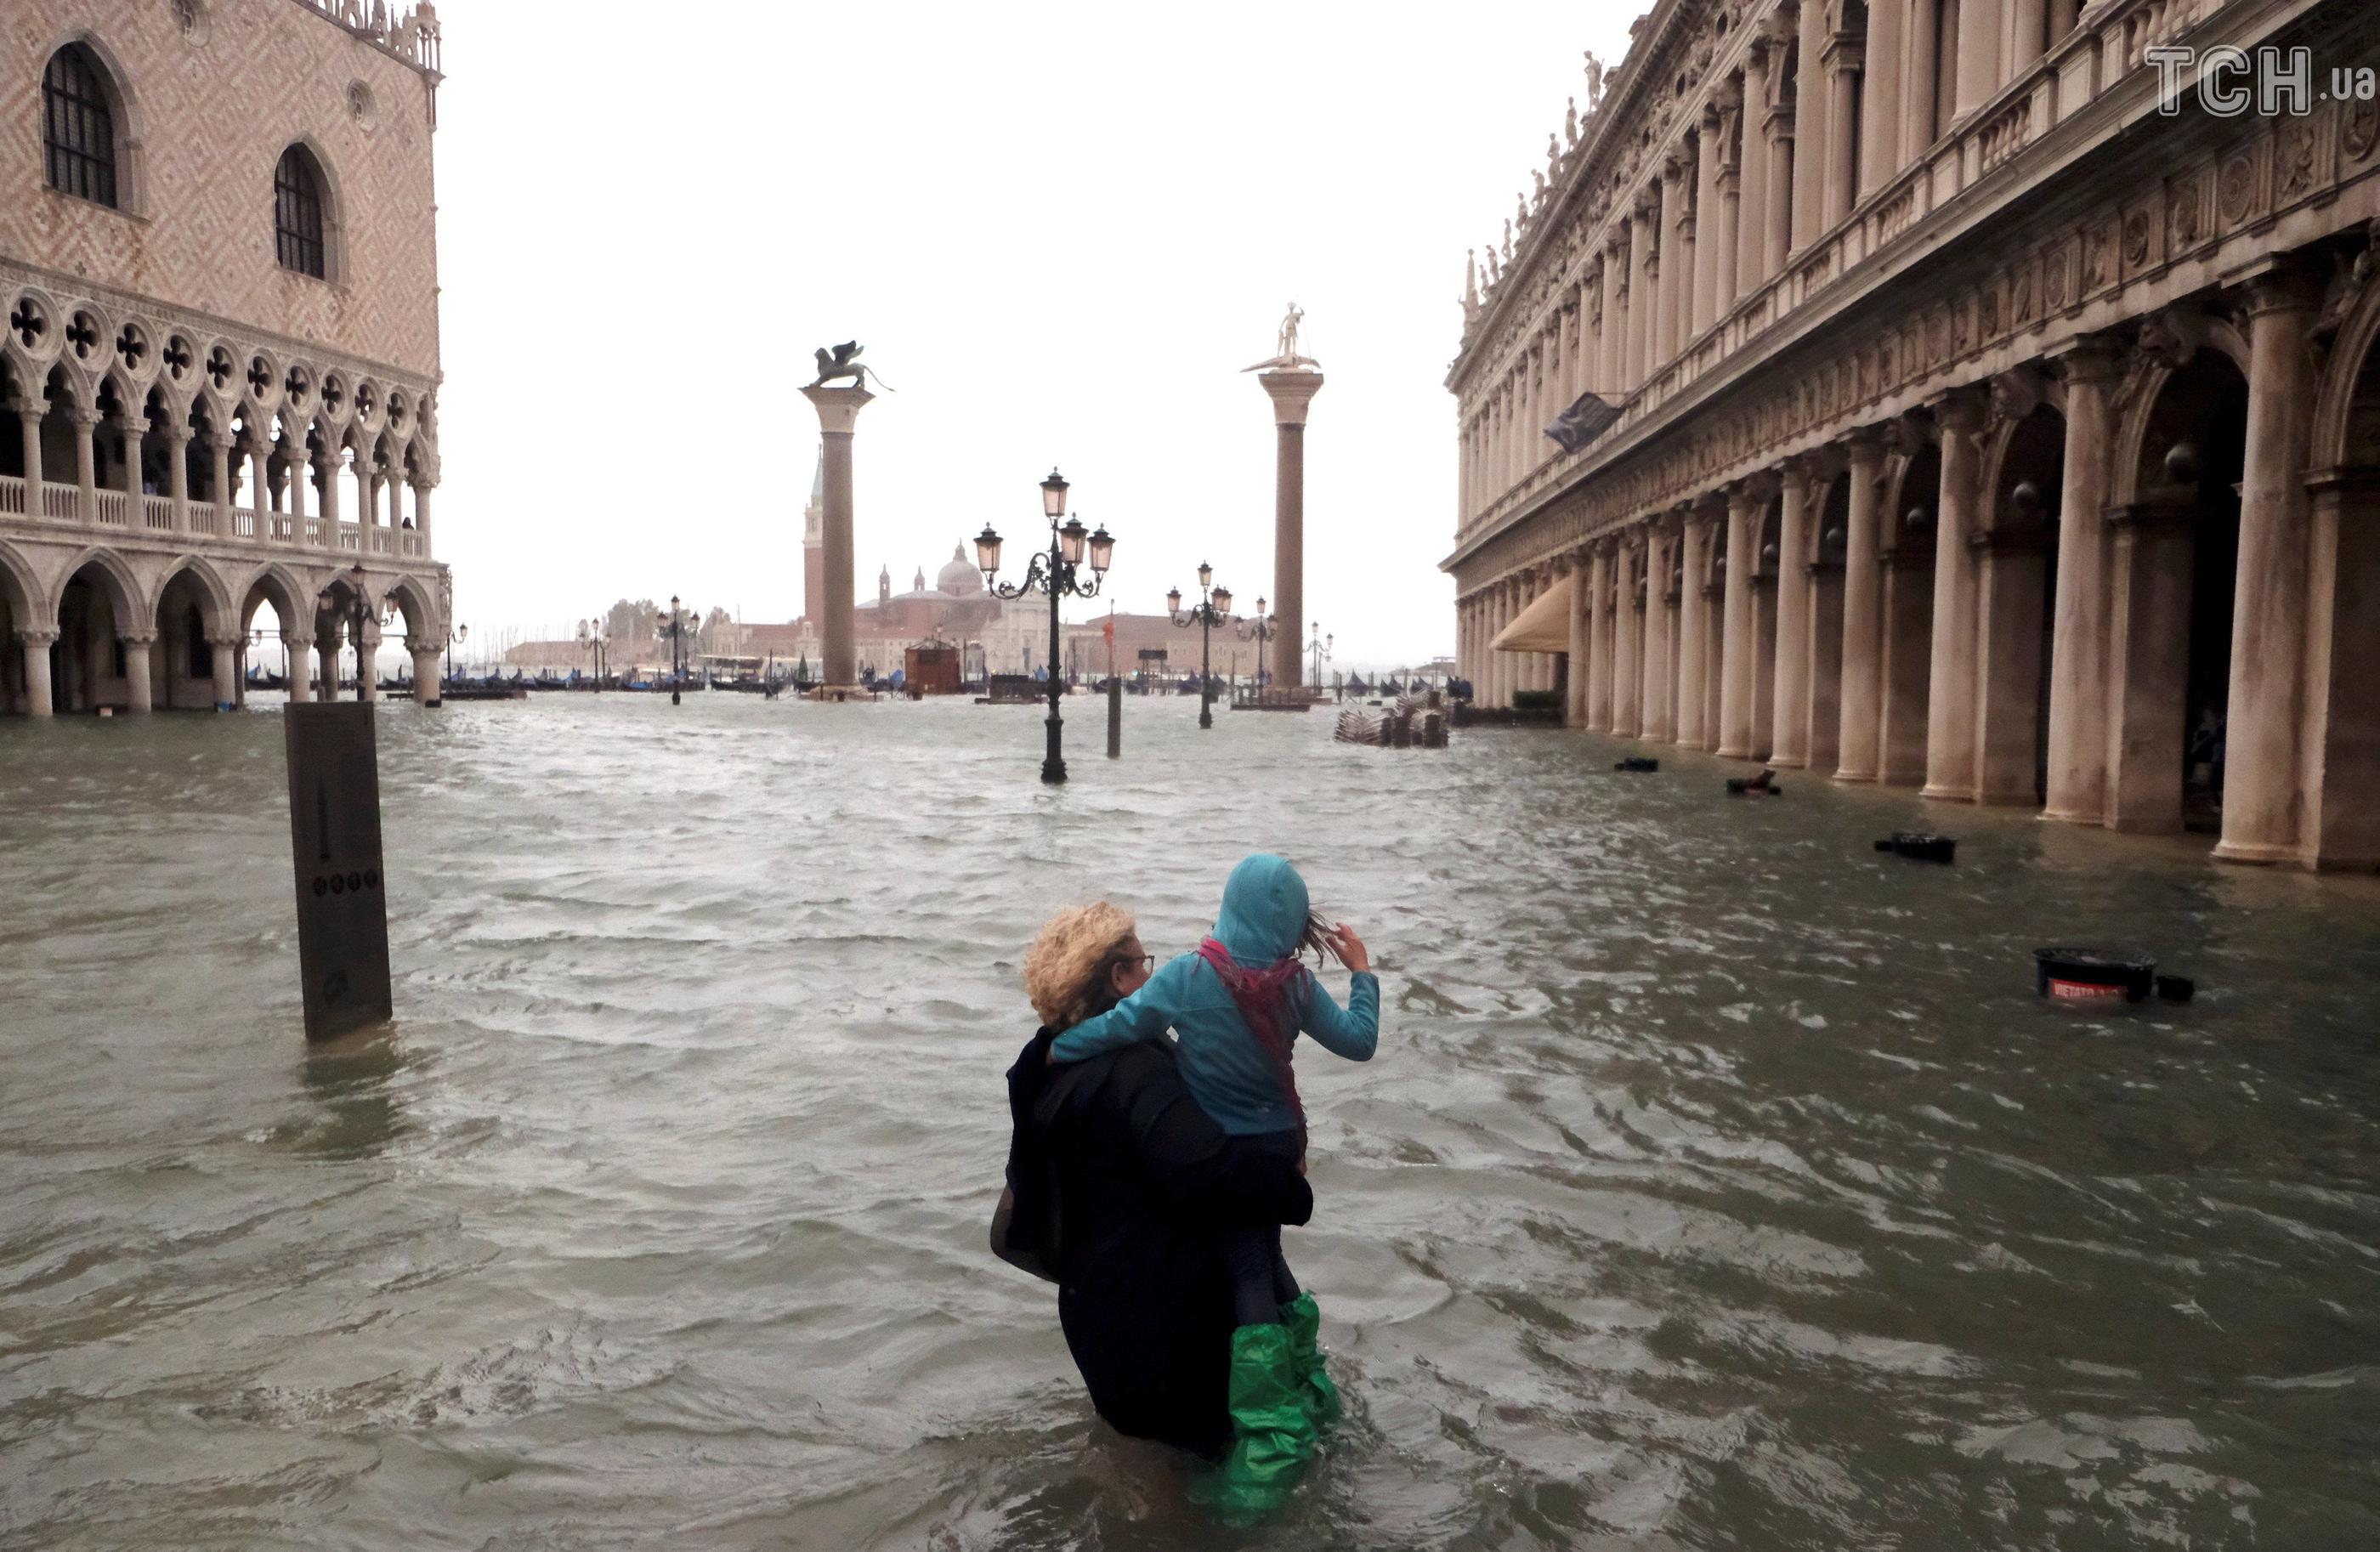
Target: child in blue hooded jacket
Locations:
point(1237, 1006)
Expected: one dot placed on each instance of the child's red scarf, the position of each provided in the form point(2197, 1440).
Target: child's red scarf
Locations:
point(1263, 999)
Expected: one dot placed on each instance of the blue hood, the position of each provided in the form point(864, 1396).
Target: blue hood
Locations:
point(1264, 910)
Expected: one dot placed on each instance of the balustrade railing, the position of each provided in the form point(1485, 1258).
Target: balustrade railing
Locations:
point(314, 531)
point(157, 513)
point(111, 508)
point(412, 37)
point(350, 536)
point(412, 544)
point(243, 522)
point(12, 495)
point(202, 518)
point(283, 527)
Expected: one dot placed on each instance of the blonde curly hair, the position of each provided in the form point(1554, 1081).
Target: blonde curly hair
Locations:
point(1065, 971)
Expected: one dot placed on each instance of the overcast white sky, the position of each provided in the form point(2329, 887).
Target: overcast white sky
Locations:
point(1060, 231)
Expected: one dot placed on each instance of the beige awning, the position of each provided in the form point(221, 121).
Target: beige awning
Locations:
point(1544, 626)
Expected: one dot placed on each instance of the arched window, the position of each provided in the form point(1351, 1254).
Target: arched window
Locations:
point(297, 213)
point(79, 127)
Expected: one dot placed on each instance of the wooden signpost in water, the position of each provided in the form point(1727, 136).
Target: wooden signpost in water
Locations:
point(334, 758)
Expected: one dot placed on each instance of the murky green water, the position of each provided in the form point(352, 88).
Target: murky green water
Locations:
point(1719, 1184)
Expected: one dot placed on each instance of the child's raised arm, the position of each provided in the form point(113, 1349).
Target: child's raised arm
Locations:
point(1352, 1032)
point(1141, 1017)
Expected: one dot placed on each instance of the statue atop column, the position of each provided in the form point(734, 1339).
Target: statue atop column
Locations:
point(1287, 358)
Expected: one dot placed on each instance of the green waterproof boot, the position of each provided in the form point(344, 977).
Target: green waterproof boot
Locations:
point(1302, 1319)
point(1272, 1438)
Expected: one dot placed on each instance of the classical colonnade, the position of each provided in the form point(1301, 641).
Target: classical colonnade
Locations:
point(2031, 589)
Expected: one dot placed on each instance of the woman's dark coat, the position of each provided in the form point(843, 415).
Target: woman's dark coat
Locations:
point(1114, 1161)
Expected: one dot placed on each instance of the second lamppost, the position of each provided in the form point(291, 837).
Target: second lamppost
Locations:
point(676, 631)
point(1055, 574)
point(1261, 629)
point(1214, 607)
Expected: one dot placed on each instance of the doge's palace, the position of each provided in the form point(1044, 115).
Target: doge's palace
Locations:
point(220, 369)
point(1996, 409)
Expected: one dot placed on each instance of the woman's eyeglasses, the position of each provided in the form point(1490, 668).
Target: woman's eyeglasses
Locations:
point(1145, 963)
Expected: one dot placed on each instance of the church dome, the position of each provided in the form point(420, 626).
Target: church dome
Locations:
point(959, 578)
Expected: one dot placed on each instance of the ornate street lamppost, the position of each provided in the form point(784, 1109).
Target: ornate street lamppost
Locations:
point(591, 636)
point(1261, 629)
point(1213, 608)
point(1055, 574)
point(676, 631)
point(1319, 649)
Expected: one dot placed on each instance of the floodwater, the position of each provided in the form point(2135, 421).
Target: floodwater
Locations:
point(1719, 1183)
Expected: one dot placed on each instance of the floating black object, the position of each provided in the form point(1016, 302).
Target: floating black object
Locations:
point(2088, 976)
point(1637, 763)
point(2176, 988)
point(1922, 848)
point(1739, 785)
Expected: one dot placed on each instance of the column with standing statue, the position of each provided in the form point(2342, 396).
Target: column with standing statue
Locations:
point(1291, 381)
point(838, 410)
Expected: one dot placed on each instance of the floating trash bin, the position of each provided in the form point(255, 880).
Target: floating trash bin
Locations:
point(2176, 988)
point(2088, 976)
point(1637, 763)
point(1920, 848)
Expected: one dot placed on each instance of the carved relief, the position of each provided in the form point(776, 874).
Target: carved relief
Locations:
point(2298, 149)
point(2235, 188)
point(2185, 218)
point(2361, 132)
point(2098, 258)
point(2137, 230)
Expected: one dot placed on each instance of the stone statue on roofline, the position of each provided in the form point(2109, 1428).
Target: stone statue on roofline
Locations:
point(1593, 81)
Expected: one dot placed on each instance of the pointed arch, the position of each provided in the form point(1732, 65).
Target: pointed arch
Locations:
point(307, 228)
point(420, 603)
point(275, 583)
point(124, 593)
point(220, 619)
point(28, 602)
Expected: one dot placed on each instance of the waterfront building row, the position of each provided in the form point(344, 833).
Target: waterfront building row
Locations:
point(1983, 426)
point(220, 364)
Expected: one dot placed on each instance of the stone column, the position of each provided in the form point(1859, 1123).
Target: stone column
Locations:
point(178, 472)
point(1789, 744)
point(326, 656)
point(1820, 712)
point(29, 432)
point(135, 426)
point(1694, 633)
point(1979, 56)
point(1727, 183)
point(425, 673)
point(1880, 110)
point(1291, 392)
point(302, 667)
point(1710, 241)
point(1752, 213)
point(1778, 238)
point(1744, 506)
point(1763, 659)
point(1812, 132)
point(86, 473)
point(1598, 639)
point(1907, 570)
point(1666, 266)
point(2343, 743)
point(1659, 720)
point(136, 696)
point(1843, 62)
point(367, 662)
point(225, 651)
point(2027, 21)
point(1921, 64)
point(838, 411)
point(219, 446)
point(421, 488)
point(1640, 298)
point(259, 492)
point(2152, 568)
point(1950, 686)
point(1863, 639)
point(36, 647)
point(1582, 643)
point(2078, 650)
point(1627, 675)
point(326, 483)
point(2261, 819)
point(2010, 584)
